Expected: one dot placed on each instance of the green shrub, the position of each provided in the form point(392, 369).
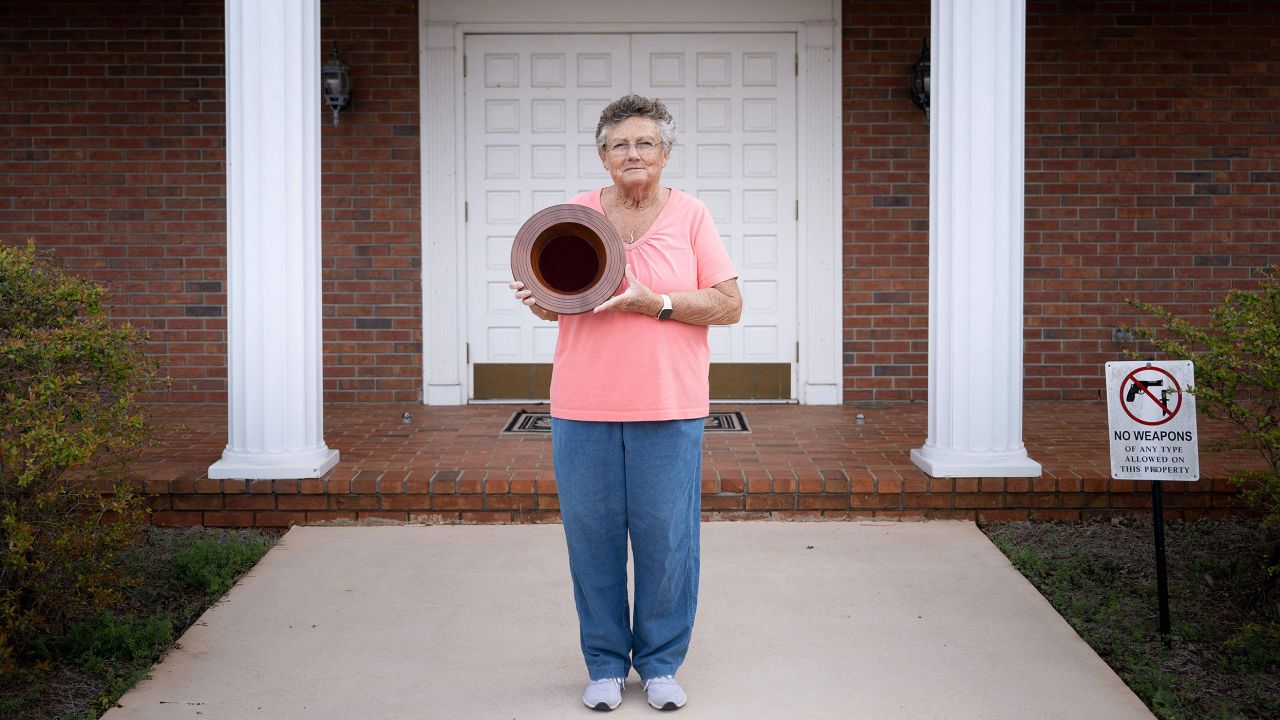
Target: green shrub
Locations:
point(1237, 368)
point(68, 426)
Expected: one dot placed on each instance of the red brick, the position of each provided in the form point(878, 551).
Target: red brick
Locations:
point(940, 485)
point(251, 502)
point(888, 483)
point(1055, 515)
point(353, 502)
point(861, 481)
point(783, 482)
point(457, 502)
point(926, 500)
point(820, 502)
point(951, 514)
point(328, 516)
point(409, 502)
point(197, 502)
point(773, 502)
point(987, 485)
point(471, 482)
point(723, 502)
point(303, 502)
point(509, 502)
point(900, 514)
point(1032, 500)
point(732, 481)
point(228, 519)
point(979, 500)
point(278, 519)
point(487, 517)
point(170, 518)
point(995, 516)
point(365, 482)
point(809, 481)
point(382, 515)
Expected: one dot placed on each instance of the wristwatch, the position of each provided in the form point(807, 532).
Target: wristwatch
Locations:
point(665, 312)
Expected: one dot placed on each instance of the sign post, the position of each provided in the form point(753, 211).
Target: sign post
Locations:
point(1151, 416)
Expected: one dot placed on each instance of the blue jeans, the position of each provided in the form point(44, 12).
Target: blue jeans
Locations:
point(642, 479)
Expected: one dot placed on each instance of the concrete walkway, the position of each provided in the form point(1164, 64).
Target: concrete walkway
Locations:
point(796, 620)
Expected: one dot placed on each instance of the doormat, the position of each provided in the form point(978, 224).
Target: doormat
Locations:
point(539, 422)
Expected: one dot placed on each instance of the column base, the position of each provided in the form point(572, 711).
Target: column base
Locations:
point(822, 394)
point(273, 466)
point(445, 395)
point(940, 463)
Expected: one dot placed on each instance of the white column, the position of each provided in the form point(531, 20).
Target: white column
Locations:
point(975, 241)
point(274, 364)
point(443, 348)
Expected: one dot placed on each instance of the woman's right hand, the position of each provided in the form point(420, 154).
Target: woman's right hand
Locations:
point(526, 297)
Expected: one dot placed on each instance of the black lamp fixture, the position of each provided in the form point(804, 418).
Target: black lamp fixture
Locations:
point(335, 84)
point(920, 80)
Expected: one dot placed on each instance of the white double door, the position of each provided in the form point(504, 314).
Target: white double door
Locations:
point(532, 104)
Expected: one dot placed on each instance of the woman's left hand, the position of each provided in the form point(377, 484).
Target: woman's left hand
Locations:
point(636, 298)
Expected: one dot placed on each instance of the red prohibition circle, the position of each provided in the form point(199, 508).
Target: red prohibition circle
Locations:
point(1177, 390)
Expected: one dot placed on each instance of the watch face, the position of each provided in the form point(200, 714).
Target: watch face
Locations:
point(665, 312)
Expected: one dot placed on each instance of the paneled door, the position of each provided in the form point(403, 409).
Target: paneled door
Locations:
point(532, 103)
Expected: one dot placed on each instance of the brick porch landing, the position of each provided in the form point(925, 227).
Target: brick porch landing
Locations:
point(448, 465)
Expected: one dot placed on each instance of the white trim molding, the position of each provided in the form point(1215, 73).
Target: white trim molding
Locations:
point(820, 368)
point(274, 354)
point(976, 170)
point(444, 362)
point(816, 23)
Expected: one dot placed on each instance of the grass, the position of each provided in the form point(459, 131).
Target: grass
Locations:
point(1223, 656)
point(87, 668)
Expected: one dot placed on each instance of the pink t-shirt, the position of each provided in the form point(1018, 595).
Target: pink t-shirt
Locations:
point(621, 366)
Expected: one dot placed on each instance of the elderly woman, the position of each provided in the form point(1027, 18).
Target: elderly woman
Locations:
point(629, 393)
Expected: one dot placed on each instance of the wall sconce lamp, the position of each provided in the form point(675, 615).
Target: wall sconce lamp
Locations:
point(920, 80)
point(335, 84)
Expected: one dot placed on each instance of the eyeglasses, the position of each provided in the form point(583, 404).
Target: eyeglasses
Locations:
point(643, 147)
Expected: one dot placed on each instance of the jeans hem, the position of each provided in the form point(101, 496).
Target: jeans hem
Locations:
point(657, 671)
point(606, 673)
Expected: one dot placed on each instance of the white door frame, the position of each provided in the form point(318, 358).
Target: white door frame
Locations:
point(819, 231)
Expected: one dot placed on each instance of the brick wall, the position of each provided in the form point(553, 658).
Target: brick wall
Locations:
point(111, 145)
point(112, 133)
point(372, 231)
point(1153, 170)
point(886, 204)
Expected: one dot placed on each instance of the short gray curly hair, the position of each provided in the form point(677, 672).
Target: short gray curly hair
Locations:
point(637, 106)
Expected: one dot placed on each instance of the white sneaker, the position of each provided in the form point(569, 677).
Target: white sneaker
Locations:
point(665, 693)
point(604, 695)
